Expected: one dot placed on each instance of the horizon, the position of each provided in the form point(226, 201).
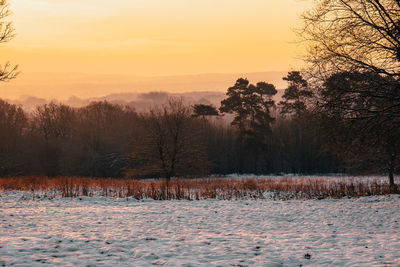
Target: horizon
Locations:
point(149, 39)
point(62, 86)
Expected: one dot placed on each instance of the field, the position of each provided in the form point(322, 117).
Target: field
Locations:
point(42, 224)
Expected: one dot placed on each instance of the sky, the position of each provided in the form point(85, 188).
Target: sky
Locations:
point(154, 37)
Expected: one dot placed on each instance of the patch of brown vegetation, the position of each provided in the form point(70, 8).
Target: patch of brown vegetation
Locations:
point(205, 188)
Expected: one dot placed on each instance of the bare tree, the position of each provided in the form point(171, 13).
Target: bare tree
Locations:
point(13, 124)
point(53, 125)
point(170, 145)
point(105, 130)
point(353, 35)
point(7, 71)
point(356, 124)
point(54, 121)
point(354, 52)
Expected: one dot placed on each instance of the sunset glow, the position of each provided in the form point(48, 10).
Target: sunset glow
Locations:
point(153, 37)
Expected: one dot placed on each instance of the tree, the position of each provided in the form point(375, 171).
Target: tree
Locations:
point(171, 144)
point(201, 110)
point(353, 35)
point(54, 121)
point(251, 105)
point(296, 96)
point(354, 52)
point(53, 124)
point(88, 141)
point(104, 131)
point(13, 124)
point(7, 72)
point(300, 146)
point(356, 124)
point(357, 37)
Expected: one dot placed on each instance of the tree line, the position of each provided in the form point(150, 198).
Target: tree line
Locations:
point(327, 129)
point(341, 114)
point(111, 140)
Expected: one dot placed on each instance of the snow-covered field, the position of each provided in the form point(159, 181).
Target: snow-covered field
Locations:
point(119, 232)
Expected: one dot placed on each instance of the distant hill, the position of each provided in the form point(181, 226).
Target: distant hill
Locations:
point(140, 101)
point(63, 86)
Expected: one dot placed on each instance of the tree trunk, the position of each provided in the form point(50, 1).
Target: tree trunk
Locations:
point(391, 170)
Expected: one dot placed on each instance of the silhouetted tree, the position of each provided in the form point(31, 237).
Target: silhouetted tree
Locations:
point(251, 105)
point(353, 35)
point(54, 125)
point(54, 121)
point(357, 37)
point(7, 72)
point(296, 96)
point(354, 50)
point(171, 144)
point(13, 124)
point(201, 110)
point(104, 131)
point(301, 146)
point(359, 124)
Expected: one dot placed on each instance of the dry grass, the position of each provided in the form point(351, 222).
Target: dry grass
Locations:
point(206, 188)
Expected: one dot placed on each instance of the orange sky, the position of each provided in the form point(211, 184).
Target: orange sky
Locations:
point(154, 37)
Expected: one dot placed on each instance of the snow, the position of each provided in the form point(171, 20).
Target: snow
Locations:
point(327, 177)
point(102, 231)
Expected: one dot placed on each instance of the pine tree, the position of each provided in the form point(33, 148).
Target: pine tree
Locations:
point(252, 106)
point(201, 110)
point(296, 95)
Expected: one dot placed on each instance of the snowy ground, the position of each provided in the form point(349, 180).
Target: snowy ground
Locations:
point(119, 232)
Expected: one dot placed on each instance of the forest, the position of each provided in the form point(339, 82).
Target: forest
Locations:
point(248, 133)
point(111, 140)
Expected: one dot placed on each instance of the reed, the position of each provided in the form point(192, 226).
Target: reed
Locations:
point(203, 188)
